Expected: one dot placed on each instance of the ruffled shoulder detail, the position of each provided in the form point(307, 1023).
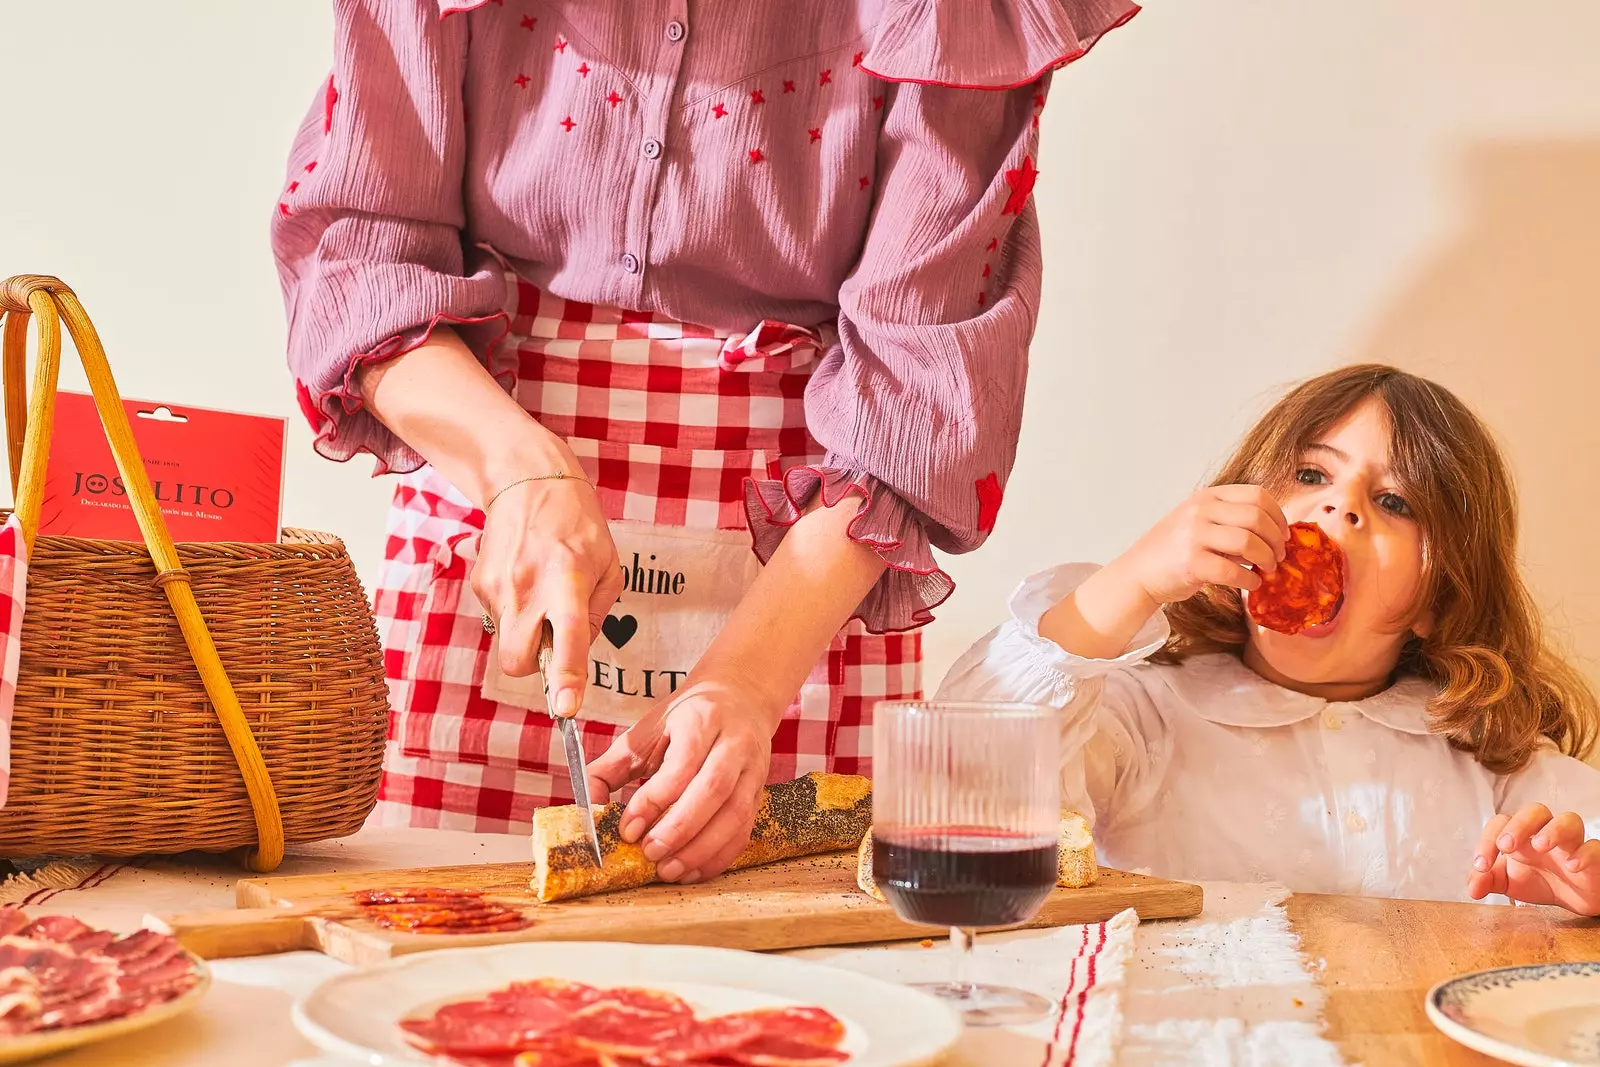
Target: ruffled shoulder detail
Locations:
point(986, 44)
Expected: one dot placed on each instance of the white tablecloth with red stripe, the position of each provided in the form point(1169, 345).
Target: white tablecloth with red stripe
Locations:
point(1227, 988)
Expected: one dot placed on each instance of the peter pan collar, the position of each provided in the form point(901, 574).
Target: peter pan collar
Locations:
point(1221, 689)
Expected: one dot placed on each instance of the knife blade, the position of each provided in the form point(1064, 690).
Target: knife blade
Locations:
point(576, 768)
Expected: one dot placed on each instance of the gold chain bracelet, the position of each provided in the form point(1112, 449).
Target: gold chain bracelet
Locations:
point(558, 476)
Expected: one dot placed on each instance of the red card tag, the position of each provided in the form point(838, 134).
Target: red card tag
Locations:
point(217, 475)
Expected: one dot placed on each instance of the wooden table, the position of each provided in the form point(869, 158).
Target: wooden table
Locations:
point(1384, 955)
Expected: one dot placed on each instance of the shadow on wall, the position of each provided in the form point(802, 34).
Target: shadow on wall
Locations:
point(1508, 317)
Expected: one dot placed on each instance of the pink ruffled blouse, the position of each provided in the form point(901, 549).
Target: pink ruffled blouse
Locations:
point(864, 164)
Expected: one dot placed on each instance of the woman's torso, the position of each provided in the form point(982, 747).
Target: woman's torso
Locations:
point(715, 166)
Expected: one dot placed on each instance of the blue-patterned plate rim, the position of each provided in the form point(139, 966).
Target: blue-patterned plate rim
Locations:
point(1443, 1004)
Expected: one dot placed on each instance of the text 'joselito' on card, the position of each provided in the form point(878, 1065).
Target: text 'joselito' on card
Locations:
point(217, 475)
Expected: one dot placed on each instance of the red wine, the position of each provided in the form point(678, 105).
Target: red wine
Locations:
point(963, 876)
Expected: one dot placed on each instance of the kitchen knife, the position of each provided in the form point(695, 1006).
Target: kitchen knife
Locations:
point(569, 740)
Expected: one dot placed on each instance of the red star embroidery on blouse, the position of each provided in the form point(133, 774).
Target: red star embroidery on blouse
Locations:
point(865, 181)
point(877, 103)
point(1021, 181)
point(719, 111)
point(756, 156)
point(583, 70)
point(1036, 122)
point(994, 243)
point(825, 78)
point(983, 298)
point(283, 209)
point(528, 22)
point(1038, 101)
point(329, 98)
point(756, 97)
point(985, 270)
point(816, 134)
point(522, 81)
point(613, 99)
point(856, 62)
point(561, 44)
point(568, 123)
point(293, 186)
point(989, 497)
point(788, 86)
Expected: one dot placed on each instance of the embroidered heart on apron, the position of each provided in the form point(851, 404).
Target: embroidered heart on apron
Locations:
point(680, 584)
point(619, 631)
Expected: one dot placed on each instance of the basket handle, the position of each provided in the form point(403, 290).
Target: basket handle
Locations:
point(28, 437)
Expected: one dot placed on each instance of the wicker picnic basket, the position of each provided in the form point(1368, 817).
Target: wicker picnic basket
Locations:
point(128, 735)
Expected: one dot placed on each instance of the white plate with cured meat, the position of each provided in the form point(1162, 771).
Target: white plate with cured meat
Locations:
point(64, 984)
point(606, 1004)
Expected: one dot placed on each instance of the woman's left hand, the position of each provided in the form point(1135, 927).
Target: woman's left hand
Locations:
point(1538, 858)
point(705, 751)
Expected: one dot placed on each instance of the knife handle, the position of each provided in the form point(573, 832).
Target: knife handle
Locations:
point(543, 652)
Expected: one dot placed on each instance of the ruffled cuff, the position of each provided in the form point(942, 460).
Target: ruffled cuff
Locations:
point(909, 590)
point(343, 426)
point(987, 44)
point(1041, 592)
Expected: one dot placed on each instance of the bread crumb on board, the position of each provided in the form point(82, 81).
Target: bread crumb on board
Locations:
point(926, 942)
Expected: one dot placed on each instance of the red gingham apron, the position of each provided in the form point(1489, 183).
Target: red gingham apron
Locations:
point(668, 420)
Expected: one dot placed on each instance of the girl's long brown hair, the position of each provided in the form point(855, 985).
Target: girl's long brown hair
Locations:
point(1501, 688)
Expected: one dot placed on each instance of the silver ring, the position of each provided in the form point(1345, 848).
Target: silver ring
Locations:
point(488, 625)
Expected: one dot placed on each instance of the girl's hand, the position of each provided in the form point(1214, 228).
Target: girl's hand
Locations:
point(1538, 858)
point(547, 552)
point(1209, 539)
point(705, 751)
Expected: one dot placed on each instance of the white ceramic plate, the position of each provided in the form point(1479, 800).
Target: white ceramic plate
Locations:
point(35, 1046)
point(357, 1014)
point(1546, 1015)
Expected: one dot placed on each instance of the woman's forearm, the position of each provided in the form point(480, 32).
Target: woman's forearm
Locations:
point(805, 593)
point(441, 401)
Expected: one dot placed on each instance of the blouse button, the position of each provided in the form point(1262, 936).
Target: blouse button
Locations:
point(652, 149)
point(1331, 720)
point(675, 30)
point(630, 263)
point(1355, 822)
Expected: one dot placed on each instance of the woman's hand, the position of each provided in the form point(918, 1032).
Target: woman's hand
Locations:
point(546, 550)
point(704, 751)
point(1538, 858)
point(1211, 538)
point(707, 748)
point(547, 553)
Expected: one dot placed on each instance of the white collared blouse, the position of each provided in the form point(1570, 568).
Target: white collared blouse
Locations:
point(1205, 770)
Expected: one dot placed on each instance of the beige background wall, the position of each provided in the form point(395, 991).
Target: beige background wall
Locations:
point(1234, 194)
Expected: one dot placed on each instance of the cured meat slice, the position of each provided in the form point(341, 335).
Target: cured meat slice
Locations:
point(438, 911)
point(778, 1050)
point(812, 1025)
point(12, 920)
point(572, 995)
point(1306, 589)
point(62, 928)
point(708, 1039)
point(476, 1027)
point(622, 1030)
point(416, 895)
point(566, 1054)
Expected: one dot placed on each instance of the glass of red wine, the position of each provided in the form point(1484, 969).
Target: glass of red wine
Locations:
point(966, 816)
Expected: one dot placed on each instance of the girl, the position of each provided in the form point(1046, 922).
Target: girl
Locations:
point(1420, 744)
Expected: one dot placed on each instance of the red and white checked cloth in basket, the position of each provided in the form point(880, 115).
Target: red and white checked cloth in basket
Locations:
point(13, 594)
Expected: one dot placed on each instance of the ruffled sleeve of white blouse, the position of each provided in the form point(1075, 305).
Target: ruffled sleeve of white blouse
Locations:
point(1114, 736)
point(919, 404)
point(1559, 782)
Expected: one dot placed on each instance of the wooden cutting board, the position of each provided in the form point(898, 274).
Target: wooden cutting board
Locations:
point(796, 904)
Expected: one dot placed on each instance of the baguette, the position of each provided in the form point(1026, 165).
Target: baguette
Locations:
point(807, 816)
point(1075, 862)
